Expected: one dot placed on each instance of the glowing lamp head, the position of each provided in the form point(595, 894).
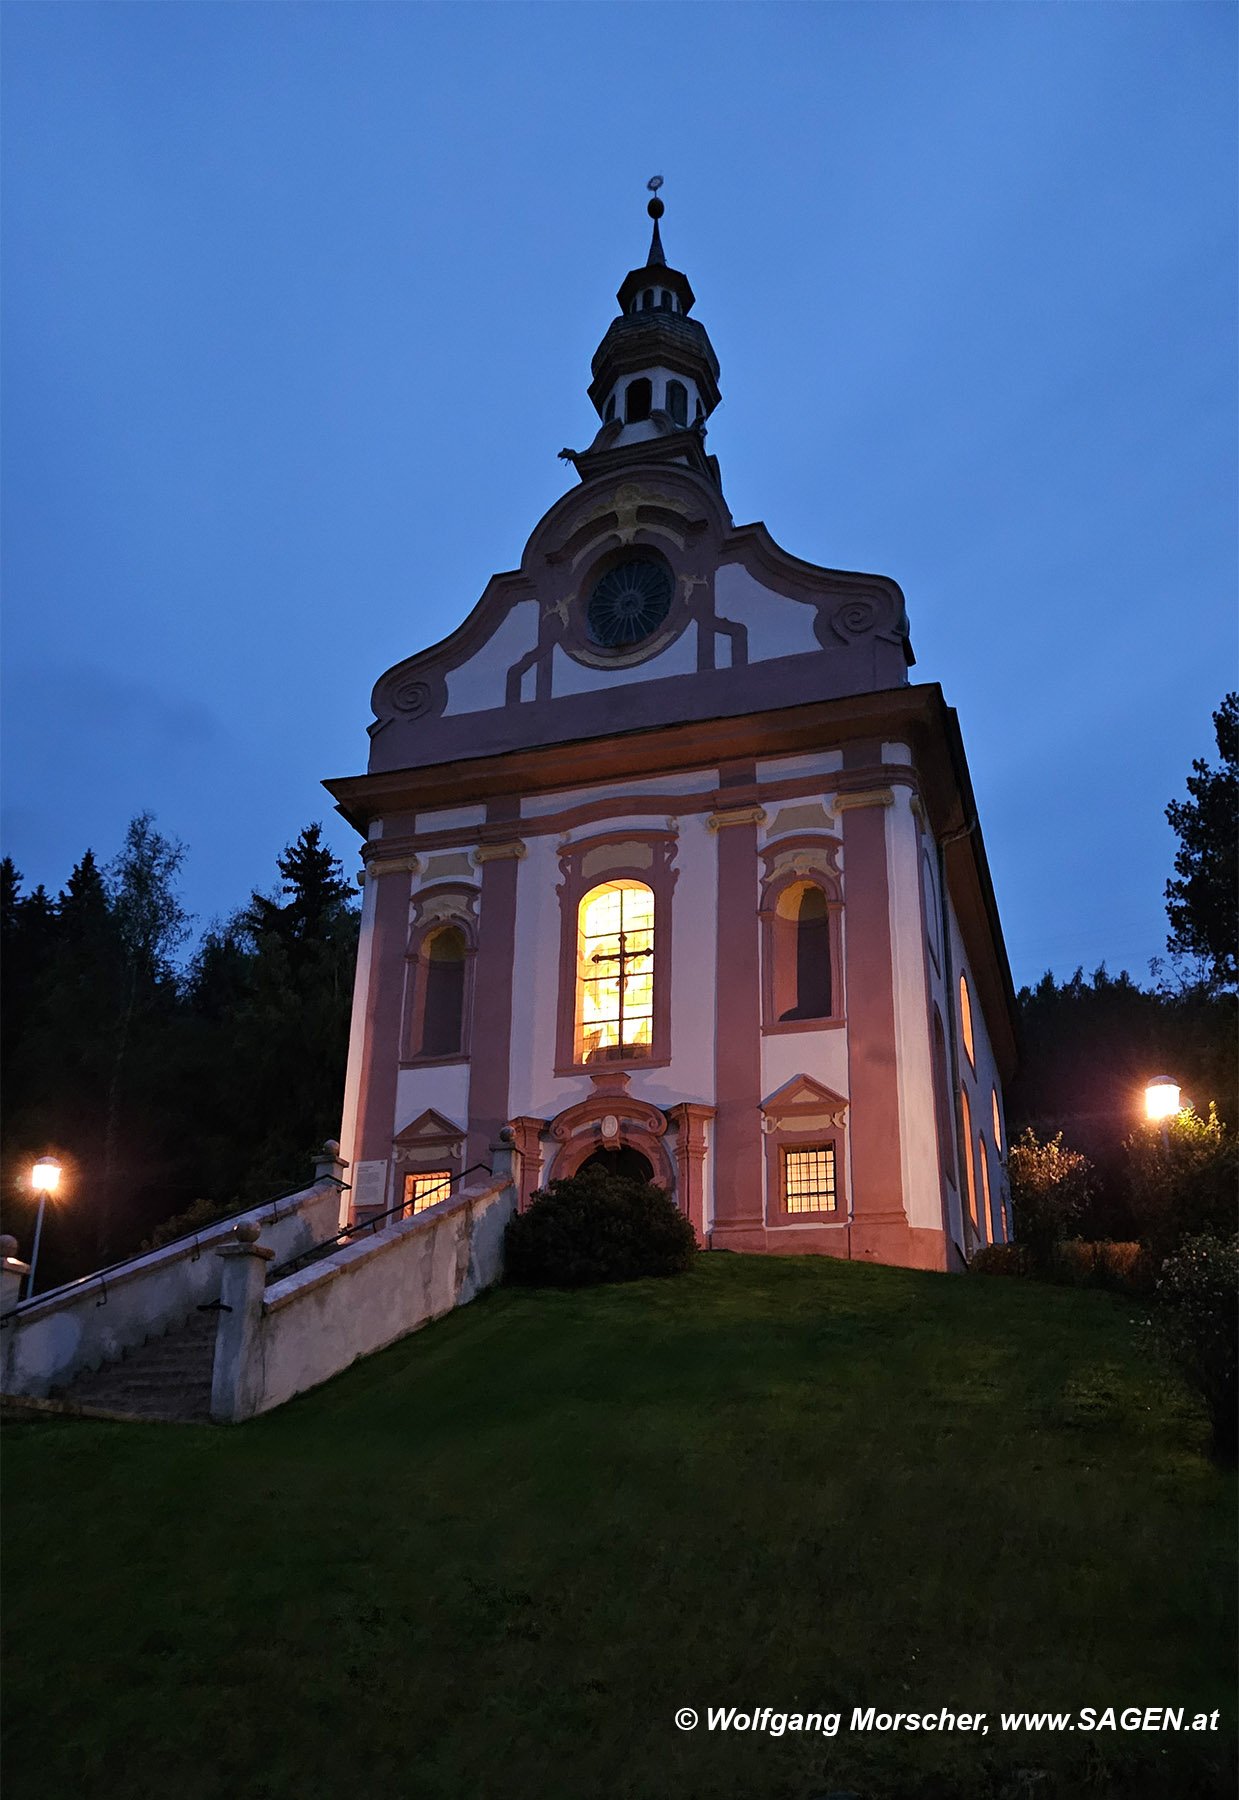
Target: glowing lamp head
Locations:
point(1161, 1098)
point(45, 1176)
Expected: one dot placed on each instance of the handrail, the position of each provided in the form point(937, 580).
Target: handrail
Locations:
point(79, 1284)
point(317, 1251)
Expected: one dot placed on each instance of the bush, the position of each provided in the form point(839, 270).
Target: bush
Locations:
point(1123, 1268)
point(1001, 1259)
point(1183, 1185)
point(1197, 1322)
point(594, 1227)
point(1050, 1187)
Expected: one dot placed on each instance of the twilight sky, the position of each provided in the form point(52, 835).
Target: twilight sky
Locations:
point(299, 302)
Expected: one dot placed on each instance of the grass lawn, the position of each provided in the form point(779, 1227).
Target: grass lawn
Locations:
point(495, 1559)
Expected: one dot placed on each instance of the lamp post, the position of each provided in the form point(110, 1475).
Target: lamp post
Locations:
point(44, 1179)
point(1161, 1103)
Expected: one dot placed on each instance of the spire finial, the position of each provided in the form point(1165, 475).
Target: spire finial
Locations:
point(656, 210)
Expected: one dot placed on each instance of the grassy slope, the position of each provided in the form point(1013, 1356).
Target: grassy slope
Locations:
point(495, 1559)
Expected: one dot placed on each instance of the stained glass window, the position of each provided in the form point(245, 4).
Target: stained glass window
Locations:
point(615, 973)
point(809, 1180)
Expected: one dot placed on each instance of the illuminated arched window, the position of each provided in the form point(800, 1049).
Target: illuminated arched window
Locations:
point(443, 1009)
point(997, 1123)
point(965, 1020)
point(969, 1159)
point(615, 973)
point(986, 1224)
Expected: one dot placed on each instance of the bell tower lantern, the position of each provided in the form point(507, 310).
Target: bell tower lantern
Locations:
point(655, 374)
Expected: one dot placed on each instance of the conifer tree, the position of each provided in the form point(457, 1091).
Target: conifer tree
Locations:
point(1202, 902)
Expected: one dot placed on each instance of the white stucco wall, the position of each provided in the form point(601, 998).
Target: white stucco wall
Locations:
point(357, 1022)
point(451, 818)
point(568, 677)
point(776, 625)
point(791, 768)
point(694, 781)
point(979, 1084)
point(67, 1330)
point(918, 1131)
point(316, 1322)
point(481, 682)
point(443, 1087)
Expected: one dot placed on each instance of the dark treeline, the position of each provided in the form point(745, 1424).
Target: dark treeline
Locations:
point(165, 1086)
point(1089, 1047)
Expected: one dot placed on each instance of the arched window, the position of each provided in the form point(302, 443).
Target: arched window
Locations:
point(997, 1123)
point(610, 412)
point(677, 402)
point(969, 1167)
point(444, 1003)
point(637, 400)
point(986, 1224)
point(647, 299)
point(802, 952)
point(615, 973)
point(942, 1100)
point(664, 300)
point(965, 1019)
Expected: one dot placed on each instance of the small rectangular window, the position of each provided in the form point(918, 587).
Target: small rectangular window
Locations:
point(426, 1189)
point(809, 1180)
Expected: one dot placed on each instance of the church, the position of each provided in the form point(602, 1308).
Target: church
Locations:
point(669, 866)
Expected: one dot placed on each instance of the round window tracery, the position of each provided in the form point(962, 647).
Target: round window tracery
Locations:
point(628, 603)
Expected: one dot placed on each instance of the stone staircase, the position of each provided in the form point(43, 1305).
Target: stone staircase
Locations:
point(167, 1378)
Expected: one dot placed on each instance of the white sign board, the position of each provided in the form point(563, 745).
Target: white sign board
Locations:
point(370, 1185)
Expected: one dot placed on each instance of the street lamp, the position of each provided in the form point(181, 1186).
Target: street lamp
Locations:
point(44, 1179)
point(1161, 1103)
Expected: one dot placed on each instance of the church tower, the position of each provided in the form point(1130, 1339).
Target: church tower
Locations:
point(669, 865)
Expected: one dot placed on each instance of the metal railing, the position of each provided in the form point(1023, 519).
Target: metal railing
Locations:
point(82, 1282)
point(349, 1233)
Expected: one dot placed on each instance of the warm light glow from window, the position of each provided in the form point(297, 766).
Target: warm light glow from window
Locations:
point(45, 1176)
point(987, 1227)
point(965, 1020)
point(997, 1124)
point(1161, 1098)
point(423, 1190)
point(809, 1180)
point(615, 973)
point(969, 1167)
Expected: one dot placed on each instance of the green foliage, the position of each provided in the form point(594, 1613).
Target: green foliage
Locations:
point(1197, 1322)
point(183, 1224)
point(1074, 1262)
point(1182, 1181)
point(1050, 1187)
point(595, 1227)
point(1202, 902)
point(162, 1087)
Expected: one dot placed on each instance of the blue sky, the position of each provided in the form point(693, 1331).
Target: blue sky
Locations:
point(299, 302)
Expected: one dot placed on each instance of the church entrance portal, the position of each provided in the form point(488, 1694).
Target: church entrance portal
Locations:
point(624, 1161)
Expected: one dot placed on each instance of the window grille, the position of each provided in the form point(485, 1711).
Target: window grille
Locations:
point(809, 1180)
point(426, 1189)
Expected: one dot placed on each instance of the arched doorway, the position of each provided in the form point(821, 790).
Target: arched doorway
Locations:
point(624, 1161)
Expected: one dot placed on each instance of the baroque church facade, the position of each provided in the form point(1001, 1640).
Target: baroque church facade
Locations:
point(669, 865)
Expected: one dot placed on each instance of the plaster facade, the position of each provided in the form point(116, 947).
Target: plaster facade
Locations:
point(747, 752)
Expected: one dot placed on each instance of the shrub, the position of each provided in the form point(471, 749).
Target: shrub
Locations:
point(1197, 1321)
point(594, 1227)
point(1050, 1186)
point(196, 1217)
point(1120, 1267)
point(1001, 1259)
point(1182, 1184)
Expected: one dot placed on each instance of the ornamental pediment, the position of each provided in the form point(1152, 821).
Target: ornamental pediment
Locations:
point(805, 1100)
point(429, 1128)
